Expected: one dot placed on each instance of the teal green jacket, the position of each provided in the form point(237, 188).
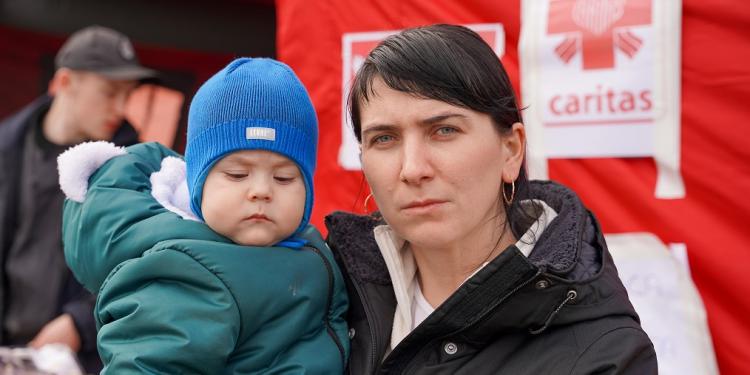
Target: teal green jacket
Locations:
point(174, 297)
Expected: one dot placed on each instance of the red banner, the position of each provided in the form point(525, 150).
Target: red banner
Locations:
point(712, 218)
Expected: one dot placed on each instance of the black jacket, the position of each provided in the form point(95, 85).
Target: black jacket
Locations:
point(562, 310)
point(72, 297)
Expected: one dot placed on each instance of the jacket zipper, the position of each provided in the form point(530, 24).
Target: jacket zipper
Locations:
point(370, 322)
point(329, 301)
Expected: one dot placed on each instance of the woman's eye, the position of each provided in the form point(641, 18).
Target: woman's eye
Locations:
point(446, 130)
point(283, 179)
point(380, 139)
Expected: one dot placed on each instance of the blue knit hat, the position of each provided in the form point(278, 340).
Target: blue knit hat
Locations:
point(251, 104)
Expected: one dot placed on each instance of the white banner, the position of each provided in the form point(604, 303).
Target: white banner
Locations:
point(601, 78)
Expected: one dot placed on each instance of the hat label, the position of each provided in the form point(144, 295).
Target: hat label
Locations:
point(266, 134)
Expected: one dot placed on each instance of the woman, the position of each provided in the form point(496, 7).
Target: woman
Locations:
point(470, 268)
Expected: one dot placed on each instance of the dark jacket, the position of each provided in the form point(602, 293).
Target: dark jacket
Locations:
point(562, 310)
point(71, 297)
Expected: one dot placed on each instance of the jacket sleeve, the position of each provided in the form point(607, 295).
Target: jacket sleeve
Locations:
point(165, 313)
point(119, 219)
point(625, 350)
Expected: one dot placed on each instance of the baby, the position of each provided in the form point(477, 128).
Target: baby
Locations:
point(210, 265)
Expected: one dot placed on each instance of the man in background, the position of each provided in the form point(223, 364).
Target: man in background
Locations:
point(41, 302)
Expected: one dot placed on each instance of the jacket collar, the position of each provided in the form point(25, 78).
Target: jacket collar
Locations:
point(14, 127)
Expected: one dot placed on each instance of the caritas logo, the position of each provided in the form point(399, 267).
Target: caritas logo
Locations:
point(596, 28)
point(597, 75)
point(354, 50)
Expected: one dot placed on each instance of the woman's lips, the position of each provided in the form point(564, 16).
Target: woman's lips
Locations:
point(423, 206)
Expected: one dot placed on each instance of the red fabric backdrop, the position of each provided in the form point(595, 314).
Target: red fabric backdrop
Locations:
point(712, 220)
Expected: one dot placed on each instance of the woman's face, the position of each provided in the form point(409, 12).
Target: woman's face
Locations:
point(436, 169)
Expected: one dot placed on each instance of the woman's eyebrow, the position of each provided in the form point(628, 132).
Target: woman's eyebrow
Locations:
point(441, 117)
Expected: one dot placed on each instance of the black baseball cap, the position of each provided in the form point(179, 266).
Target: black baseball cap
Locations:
point(103, 51)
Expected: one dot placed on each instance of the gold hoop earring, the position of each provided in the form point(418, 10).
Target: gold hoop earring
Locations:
point(512, 193)
point(367, 200)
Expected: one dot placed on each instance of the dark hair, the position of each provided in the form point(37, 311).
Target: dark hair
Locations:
point(451, 64)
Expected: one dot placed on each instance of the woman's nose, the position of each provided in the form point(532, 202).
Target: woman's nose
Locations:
point(415, 162)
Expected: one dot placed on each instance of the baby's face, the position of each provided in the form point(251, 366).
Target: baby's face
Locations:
point(255, 198)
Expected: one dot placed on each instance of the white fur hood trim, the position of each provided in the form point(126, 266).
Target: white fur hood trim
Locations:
point(169, 187)
point(79, 162)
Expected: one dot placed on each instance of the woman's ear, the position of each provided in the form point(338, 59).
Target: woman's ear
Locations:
point(514, 145)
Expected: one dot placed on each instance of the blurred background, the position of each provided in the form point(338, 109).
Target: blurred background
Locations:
point(186, 41)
